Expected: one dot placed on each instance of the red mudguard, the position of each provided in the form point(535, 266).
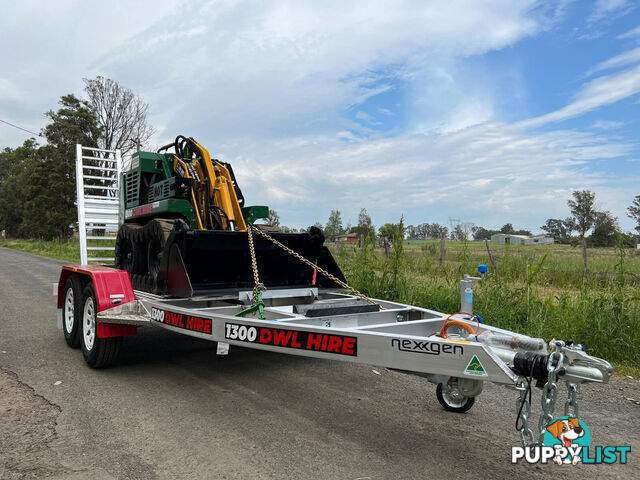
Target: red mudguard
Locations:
point(112, 287)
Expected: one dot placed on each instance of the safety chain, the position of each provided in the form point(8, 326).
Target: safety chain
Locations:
point(548, 402)
point(309, 263)
point(526, 434)
point(571, 405)
point(549, 393)
point(254, 266)
point(257, 305)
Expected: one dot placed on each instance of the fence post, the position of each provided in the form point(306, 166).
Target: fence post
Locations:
point(493, 260)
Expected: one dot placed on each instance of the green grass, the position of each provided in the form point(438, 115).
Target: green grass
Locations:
point(542, 291)
point(67, 251)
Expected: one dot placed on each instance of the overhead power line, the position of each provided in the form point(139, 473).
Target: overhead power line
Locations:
point(20, 128)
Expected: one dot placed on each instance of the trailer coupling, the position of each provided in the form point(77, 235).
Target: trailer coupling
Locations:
point(569, 363)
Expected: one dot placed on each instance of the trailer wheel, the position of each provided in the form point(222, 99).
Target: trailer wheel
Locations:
point(71, 311)
point(452, 400)
point(97, 352)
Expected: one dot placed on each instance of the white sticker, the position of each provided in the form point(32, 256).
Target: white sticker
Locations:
point(223, 348)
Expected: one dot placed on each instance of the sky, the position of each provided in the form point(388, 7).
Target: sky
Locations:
point(484, 111)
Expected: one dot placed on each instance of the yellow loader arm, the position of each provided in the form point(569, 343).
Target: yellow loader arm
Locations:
point(213, 194)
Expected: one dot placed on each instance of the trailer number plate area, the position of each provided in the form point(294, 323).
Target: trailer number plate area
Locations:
point(277, 337)
point(186, 322)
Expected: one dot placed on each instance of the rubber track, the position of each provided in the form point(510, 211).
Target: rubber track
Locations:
point(141, 236)
point(129, 232)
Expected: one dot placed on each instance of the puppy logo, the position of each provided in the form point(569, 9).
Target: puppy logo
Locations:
point(567, 435)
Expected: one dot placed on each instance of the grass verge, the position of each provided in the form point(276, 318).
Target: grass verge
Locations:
point(67, 251)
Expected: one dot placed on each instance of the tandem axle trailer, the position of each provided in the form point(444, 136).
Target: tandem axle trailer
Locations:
point(97, 307)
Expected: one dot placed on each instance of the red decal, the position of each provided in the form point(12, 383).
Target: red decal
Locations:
point(349, 346)
point(280, 337)
point(265, 335)
point(207, 326)
point(313, 341)
point(144, 210)
point(334, 344)
point(194, 324)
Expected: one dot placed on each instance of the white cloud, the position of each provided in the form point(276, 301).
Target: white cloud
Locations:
point(365, 117)
point(633, 33)
point(609, 9)
point(484, 173)
point(602, 91)
point(606, 124)
point(9, 91)
point(624, 59)
point(297, 67)
point(50, 46)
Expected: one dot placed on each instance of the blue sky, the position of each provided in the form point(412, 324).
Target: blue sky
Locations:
point(490, 112)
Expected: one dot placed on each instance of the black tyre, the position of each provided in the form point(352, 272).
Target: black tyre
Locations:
point(72, 311)
point(97, 352)
point(453, 401)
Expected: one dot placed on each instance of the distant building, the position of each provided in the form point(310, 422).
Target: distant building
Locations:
point(348, 238)
point(503, 238)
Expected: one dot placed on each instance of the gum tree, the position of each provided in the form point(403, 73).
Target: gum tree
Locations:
point(633, 211)
point(583, 209)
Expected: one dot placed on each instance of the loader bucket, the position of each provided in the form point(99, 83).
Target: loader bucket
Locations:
point(201, 261)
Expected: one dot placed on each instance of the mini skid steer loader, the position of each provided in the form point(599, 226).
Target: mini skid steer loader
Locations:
point(185, 224)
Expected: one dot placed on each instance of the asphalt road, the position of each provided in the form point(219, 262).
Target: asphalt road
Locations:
point(171, 409)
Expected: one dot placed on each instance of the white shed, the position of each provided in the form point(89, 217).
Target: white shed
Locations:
point(512, 239)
